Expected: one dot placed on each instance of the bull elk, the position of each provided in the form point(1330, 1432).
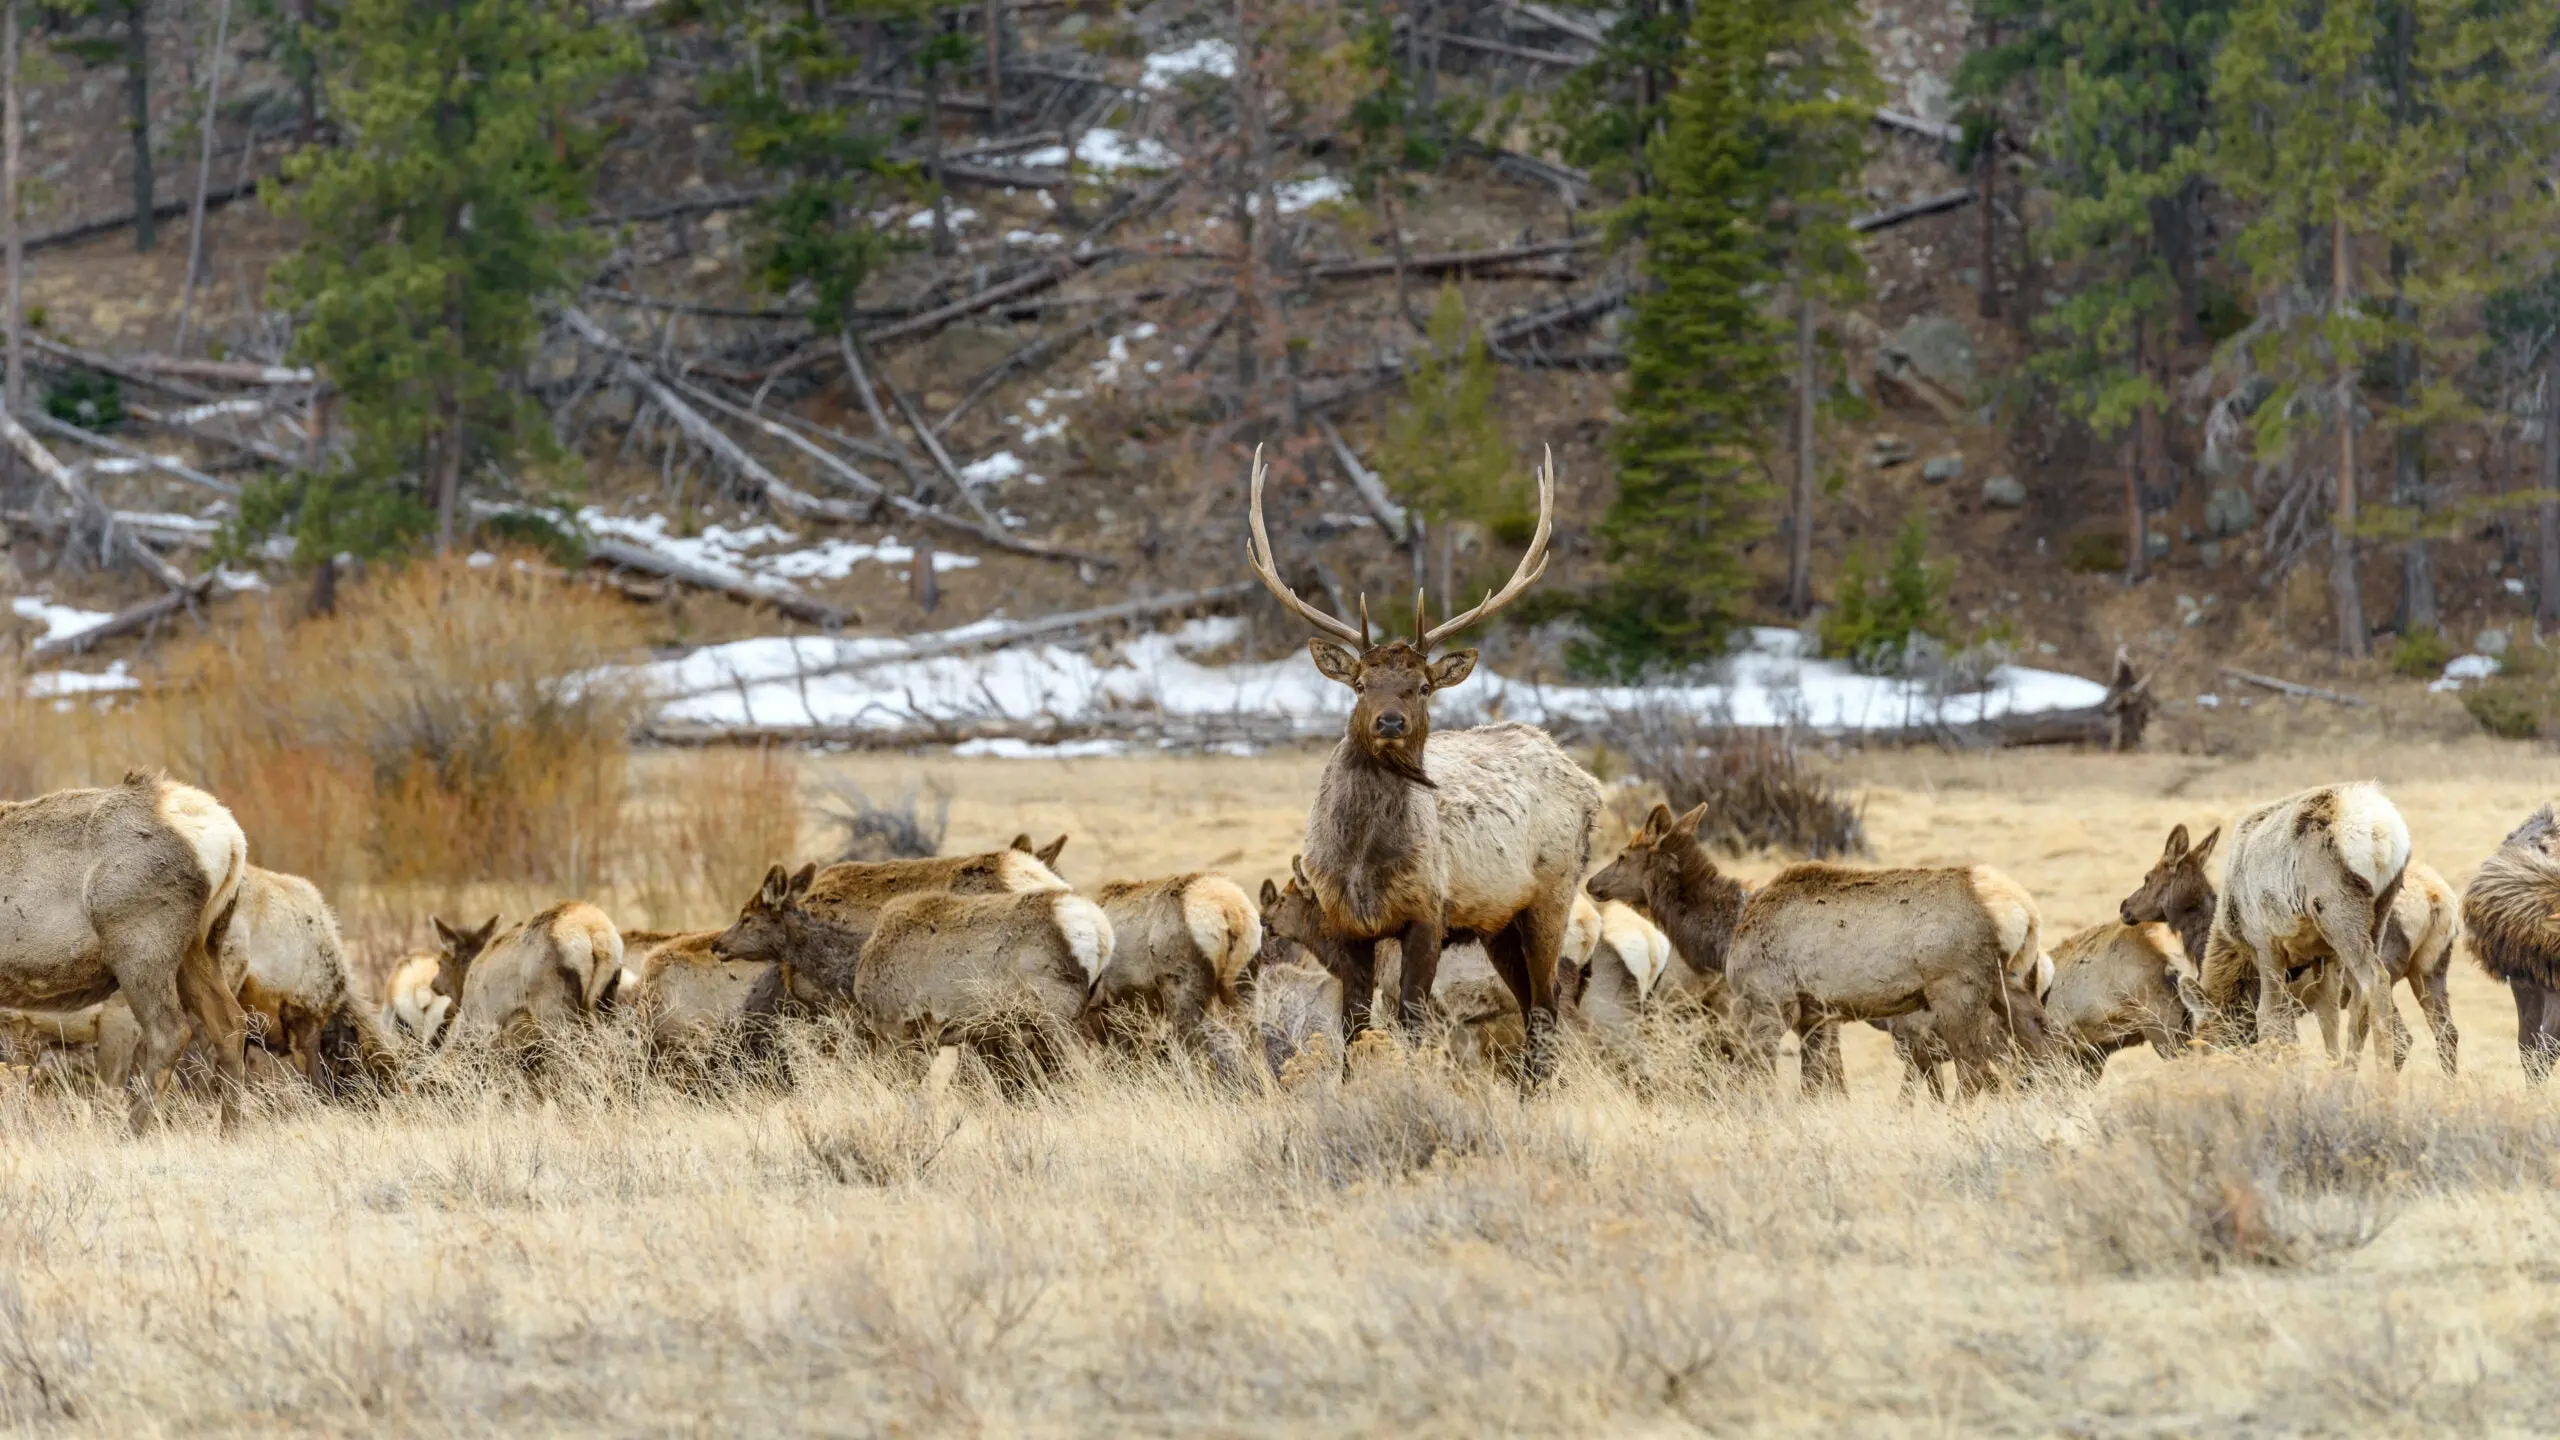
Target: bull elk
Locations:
point(1480, 833)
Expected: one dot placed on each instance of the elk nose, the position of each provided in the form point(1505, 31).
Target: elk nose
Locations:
point(1390, 725)
point(2126, 910)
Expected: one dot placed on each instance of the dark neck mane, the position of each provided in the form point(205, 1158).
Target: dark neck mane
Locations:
point(2195, 927)
point(1698, 912)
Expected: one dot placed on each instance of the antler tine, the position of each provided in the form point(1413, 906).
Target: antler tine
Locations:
point(1532, 564)
point(1419, 616)
point(1257, 552)
point(1365, 641)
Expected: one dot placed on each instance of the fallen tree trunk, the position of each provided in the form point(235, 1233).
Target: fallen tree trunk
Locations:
point(620, 554)
point(112, 446)
point(1917, 209)
point(84, 502)
point(165, 210)
point(127, 621)
point(967, 305)
point(1003, 636)
point(1449, 262)
point(1149, 729)
point(2115, 723)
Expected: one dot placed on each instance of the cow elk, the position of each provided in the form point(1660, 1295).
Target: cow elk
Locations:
point(536, 980)
point(1823, 943)
point(1179, 946)
point(2115, 986)
point(1480, 832)
point(127, 890)
point(2512, 911)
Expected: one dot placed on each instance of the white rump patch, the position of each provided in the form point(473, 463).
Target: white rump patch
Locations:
point(1087, 932)
point(1225, 927)
point(2044, 975)
point(221, 851)
point(1023, 874)
point(1582, 930)
point(2372, 838)
point(1643, 947)
point(2013, 920)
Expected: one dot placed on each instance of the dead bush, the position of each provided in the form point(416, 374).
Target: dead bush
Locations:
point(1389, 1123)
point(1759, 793)
point(897, 829)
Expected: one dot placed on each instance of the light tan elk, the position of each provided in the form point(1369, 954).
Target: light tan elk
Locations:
point(937, 966)
point(2311, 877)
point(2115, 986)
point(1296, 1002)
point(541, 977)
point(849, 896)
point(1822, 943)
point(1623, 963)
point(1179, 945)
point(1480, 832)
point(284, 950)
point(695, 1007)
point(2512, 911)
point(127, 890)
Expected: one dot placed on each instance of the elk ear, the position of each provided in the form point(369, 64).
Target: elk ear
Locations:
point(449, 936)
point(777, 884)
point(1298, 873)
point(480, 937)
point(1048, 854)
point(1451, 668)
point(1021, 842)
point(1270, 895)
point(2197, 855)
point(1335, 663)
point(1686, 827)
point(1657, 823)
point(807, 876)
point(2176, 848)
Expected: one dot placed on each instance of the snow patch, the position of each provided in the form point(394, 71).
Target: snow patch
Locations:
point(1007, 747)
point(923, 219)
point(774, 681)
point(62, 685)
point(745, 556)
point(995, 469)
point(1299, 195)
point(1166, 68)
point(2461, 668)
point(60, 622)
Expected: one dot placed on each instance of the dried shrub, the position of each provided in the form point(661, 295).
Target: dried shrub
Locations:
point(444, 726)
point(1390, 1123)
point(1758, 790)
point(895, 830)
point(2255, 1162)
point(714, 822)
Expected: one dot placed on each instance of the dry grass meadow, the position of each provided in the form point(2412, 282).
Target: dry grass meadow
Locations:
point(2208, 1247)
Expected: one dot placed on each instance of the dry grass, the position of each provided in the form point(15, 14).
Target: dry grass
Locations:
point(1414, 1247)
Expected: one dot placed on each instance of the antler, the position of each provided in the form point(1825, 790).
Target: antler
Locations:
point(1532, 565)
point(1257, 551)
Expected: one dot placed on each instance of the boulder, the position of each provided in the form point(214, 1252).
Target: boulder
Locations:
point(2229, 510)
point(1939, 349)
point(1942, 468)
point(2004, 492)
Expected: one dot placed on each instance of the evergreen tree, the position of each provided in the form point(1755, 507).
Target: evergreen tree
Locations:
point(2125, 88)
point(1445, 449)
point(1706, 367)
point(1749, 202)
point(789, 115)
point(1611, 114)
point(433, 236)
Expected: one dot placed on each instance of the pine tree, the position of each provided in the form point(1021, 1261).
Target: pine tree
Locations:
point(2305, 138)
point(434, 235)
point(788, 115)
point(2125, 88)
point(2404, 135)
point(1706, 367)
point(1749, 206)
point(1445, 449)
point(1611, 115)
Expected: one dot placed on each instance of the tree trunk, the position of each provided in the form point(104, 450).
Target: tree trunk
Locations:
point(12, 139)
point(2409, 473)
point(306, 79)
point(995, 66)
point(933, 159)
point(2343, 585)
point(137, 90)
point(204, 177)
point(1987, 301)
point(1800, 543)
point(2547, 507)
point(448, 466)
point(2137, 540)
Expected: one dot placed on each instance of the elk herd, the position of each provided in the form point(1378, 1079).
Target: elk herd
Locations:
point(1451, 868)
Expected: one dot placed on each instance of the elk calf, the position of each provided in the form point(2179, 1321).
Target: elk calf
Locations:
point(1179, 945)
point(283, 952)
point(2512, 912)
point(127, 890)
point(848, 898)
point(694, 1006)
point(2115, 986)
point(1627, 958)
point(541, 977)
point(1822, 943)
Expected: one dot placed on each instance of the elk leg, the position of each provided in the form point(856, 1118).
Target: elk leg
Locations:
point(1420, 946)
point(2535, 1043)
point(1354, 962)
point(2275, 1001)
point(2438, 1005)
point(2368, 987)
point(1818, 1056)
point(220, 1020)
point(2324, 1008)
point(1539, 932)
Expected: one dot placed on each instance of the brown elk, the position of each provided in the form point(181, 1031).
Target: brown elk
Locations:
point(1480, 832)
point(2512, 910)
